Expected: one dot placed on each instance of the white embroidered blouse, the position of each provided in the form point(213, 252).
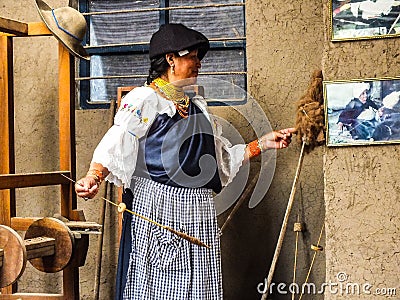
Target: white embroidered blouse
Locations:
point(117, 151)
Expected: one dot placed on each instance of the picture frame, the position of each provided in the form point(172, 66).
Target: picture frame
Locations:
point(372, 117)
point(364, 19)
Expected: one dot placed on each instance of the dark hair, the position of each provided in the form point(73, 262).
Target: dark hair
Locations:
point(158, 67)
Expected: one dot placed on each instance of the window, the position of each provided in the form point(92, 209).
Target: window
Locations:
point(118, 42)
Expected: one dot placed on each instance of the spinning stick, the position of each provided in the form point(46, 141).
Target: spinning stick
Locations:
point(122, 207)
point(316, 248)
point(1, 257)
point(298, 227)
point(310, 128)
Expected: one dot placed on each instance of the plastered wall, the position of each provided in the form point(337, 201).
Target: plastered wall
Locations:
point(351, 191)
point(284, 48)
point(362, 188)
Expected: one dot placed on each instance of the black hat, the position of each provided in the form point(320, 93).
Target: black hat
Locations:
point(177, 38)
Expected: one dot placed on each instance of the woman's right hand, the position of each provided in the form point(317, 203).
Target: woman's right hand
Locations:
point(277, 139)
point(86, 187)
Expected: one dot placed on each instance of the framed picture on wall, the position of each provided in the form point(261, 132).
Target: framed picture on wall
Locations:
point(364, 19)
point(362, 112)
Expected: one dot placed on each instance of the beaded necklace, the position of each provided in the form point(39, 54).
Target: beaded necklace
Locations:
point(173, 93)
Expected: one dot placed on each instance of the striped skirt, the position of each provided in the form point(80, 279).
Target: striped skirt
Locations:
point(162, 265)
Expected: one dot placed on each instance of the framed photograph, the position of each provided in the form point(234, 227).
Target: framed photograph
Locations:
point(362, 112)
point(358, 19)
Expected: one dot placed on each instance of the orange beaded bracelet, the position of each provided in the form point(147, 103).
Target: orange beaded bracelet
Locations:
point(96, 174)
point(254, 148)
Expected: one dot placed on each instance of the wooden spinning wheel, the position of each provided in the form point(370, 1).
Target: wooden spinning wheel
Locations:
point(9, 181)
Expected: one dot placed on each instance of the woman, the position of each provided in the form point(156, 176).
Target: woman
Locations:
point(167, 152)
point(388, 127)
point(359, 114)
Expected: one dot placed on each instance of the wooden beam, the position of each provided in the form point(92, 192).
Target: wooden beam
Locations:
point(38, 28)
point(17, 28)
point(8, 181)
point(40, 247)
point(22, 224)
point(6, 34)
point(82, 227)
point(32, 296)
point(13, 27)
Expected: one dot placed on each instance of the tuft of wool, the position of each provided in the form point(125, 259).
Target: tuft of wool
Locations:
point(310, 122)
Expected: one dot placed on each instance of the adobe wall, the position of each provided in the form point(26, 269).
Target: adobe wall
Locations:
point(284, 48)
point(361, 186)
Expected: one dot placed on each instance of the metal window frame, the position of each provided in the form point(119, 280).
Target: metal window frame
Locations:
point(83, 78)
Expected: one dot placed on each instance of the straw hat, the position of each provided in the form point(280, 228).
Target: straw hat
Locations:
point(67, 24)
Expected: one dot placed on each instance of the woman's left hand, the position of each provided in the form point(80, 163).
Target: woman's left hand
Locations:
point(277, 139)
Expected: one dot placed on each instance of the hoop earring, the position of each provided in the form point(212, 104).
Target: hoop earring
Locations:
point(172, 69)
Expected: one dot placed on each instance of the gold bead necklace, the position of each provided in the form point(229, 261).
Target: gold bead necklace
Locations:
point(173, 93)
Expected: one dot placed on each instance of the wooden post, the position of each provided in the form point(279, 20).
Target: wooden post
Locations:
point(64, 113)
point(7, 161)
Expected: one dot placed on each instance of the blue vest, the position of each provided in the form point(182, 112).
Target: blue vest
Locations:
point(180, 152)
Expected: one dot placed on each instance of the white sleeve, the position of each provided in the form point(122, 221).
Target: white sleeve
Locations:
point(229, 158)
point(117, 151)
